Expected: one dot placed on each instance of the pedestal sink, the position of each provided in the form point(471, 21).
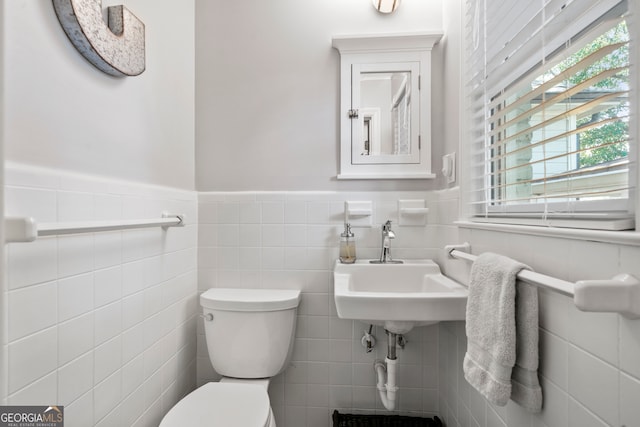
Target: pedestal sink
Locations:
point(397, 296)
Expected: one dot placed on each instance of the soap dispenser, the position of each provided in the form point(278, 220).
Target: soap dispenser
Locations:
point(347, 246)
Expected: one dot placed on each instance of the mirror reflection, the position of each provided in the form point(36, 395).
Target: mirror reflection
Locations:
point(386, 113)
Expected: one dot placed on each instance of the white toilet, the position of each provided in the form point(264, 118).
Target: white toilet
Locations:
point(249, 334)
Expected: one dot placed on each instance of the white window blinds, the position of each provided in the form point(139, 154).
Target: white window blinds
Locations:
point(549, 111)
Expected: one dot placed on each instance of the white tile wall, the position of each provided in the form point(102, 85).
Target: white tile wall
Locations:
point(290, 240)
point(589, 362)
point(101, 323)
point(105, 323)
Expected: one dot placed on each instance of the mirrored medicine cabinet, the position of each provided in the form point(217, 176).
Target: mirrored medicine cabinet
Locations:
point(385, 105)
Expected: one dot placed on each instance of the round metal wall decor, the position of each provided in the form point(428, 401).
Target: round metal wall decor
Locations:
point(116, 48)
point(386, 6)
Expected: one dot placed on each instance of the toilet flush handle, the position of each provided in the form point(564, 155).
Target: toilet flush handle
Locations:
point(208, 317)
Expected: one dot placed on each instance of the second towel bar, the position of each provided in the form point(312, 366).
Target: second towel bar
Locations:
point(618, 295)
point(26, 229)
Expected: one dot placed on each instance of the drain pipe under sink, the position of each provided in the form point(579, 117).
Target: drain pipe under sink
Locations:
point(386, 372)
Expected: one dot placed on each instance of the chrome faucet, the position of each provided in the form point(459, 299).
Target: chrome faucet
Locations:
point(385, 252)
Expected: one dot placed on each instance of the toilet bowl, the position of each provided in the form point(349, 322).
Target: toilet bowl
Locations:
point(222, 404)
point(249, 335)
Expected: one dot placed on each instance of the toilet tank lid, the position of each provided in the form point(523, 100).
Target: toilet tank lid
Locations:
point(231, 299)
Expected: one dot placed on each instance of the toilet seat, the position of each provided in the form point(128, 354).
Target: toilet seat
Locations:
point(221, 404)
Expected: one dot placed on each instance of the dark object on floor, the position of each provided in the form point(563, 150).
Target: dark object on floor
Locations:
point(351, 420)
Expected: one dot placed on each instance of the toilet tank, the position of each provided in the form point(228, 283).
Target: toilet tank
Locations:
point(249, 332)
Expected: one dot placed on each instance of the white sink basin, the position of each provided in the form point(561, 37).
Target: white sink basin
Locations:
point(397, 296)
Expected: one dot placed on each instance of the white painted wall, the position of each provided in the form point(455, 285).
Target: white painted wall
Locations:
point(105, 323)
point(61, 112)
point(3, 289)
point(267, 95)
point(449, 114)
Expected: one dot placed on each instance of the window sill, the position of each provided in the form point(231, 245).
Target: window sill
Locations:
point(629, 238)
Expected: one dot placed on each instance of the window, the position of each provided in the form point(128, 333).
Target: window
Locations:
point(550, 109)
